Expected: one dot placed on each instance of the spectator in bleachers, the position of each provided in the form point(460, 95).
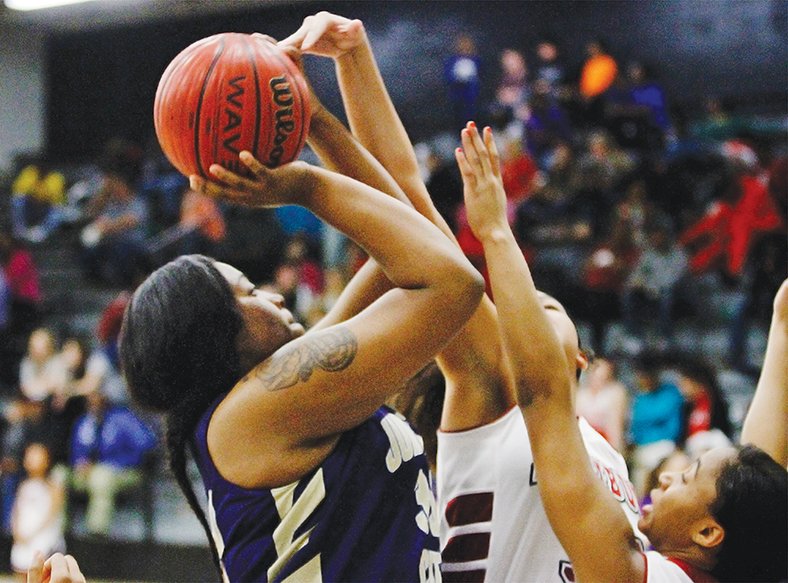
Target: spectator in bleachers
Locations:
point(38, 197)
point(113, 243)
point(40, 371)
point(162, 187)
point(646, 93)
point(655, 418)
point(67, 401)
point(512, 92)
point(553, 213)
point(8, 358)
point(335, 282)
point(603, 401)
point(638, 210)
point(518, 170)
point(200, 229)
point(91, 370)
point(765, 270)
point(705, 407)
point(462, 75)
point(21, 275)
point(37, 517)
point(5, 305)
point(108, 447)
point(108, 327)
point(549, 69)
point(603, 166)
point(722, 238)
point(598, 73)
point(25, 422)
point(605, 271)
point(562, 175)
point(653, 284)
point(546, 125)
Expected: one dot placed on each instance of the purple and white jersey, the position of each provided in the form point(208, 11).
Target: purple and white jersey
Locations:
point(367, 513)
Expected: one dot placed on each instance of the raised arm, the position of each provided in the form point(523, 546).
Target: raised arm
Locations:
point(478, 386)
point(766, 423)
point(585, 518)
point(326, 382)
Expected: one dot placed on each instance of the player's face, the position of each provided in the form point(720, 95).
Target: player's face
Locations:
point(563, 326)
point(681, 503)
point(268, 324)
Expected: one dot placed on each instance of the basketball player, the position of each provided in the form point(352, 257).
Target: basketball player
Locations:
point(723, 518)
point(307, 477)
point(493, 526)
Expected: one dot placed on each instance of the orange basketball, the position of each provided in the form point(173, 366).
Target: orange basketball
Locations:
point(227, 93)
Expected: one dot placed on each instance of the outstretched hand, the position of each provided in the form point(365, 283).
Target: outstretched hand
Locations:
point(485, 199)
point(266, 187)
point(326, 35)
point(56, 569)
point(295, 54)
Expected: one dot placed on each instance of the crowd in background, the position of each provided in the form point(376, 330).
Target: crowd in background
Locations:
point(619, 205)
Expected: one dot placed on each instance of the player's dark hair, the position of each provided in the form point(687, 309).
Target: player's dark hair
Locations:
point(178, 353)
point(752, 508)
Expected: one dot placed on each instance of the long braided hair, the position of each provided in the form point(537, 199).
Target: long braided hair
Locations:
point(178, 354)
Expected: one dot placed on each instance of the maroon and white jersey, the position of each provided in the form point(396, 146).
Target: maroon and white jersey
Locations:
point(493, 525)
point(660, 569)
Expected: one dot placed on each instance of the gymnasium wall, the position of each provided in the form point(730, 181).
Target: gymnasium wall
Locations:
point(102, 83)
point(22, 102)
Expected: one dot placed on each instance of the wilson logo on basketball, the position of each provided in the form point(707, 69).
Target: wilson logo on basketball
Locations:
point(283, 98)
point(231, 131)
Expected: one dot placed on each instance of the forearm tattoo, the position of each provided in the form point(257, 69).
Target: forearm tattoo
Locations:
point(331, 351)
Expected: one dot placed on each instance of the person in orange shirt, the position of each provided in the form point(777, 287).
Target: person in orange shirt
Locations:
point(599, 71)
point(201, 216)
point(596, 77)
point(201, 229)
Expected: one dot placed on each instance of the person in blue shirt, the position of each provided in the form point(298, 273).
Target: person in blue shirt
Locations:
point(461, 72)
point(656, 418)
point(108, 447)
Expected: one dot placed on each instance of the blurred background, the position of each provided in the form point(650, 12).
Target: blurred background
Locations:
point(644, 157)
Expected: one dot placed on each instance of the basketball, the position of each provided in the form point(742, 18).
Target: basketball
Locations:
point(227, 93)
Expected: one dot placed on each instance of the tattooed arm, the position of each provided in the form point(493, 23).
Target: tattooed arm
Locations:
point(296, 403)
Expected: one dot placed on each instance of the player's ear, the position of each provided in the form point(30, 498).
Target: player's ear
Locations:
point(708, 533)
point(583, 359)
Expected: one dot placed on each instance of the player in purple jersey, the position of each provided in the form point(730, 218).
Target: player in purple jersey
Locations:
point(306, 476)
point(724, 518)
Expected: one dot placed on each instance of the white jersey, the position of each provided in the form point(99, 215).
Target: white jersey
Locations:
point(493, 525)
point(661, 570)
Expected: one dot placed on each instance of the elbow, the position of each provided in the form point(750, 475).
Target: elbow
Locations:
point(461, 290)
point(471, 288)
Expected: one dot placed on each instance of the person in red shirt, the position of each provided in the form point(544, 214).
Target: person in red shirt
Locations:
point(705, 406)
